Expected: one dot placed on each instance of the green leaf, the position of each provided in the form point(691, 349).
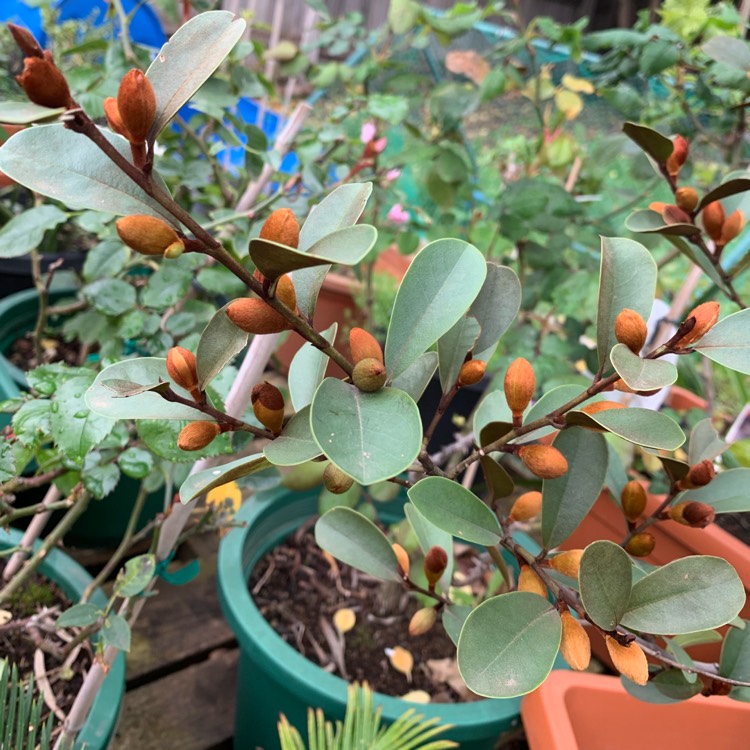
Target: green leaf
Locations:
point(79, 616)
point(683, 657)
point(665, 688)
point(605, 578)
point(627, 278)
point(7, 462)
point(656, 145)
point(347, 246)
point(727, 492)
point(64, 165)
point(342, 208)
point(100, 481)
point(295, 445)
point(202, 481)
point(646, 221)
point(112, 297)
point(403, 15)
point(498, 480)
point(686, 640)
point(116, 632)
point(650, 429)
point(728, 342)
point(549, 402)
point(730, 187)
point(453, 347)
point(454, 617)
point(453, 508)
point(370, 436)
point(219, 343)
point(441, 283)
point(358, 542)
point(728, 50)
point(705, 442)
point(567, 499)
point(25, 232)
point(186, 61)
point(658, 55)
point(694, 593)
point(388, 107)
point(415, 378)
point(429, 536)
point(160, 437)
point(24, 113)
point(492, 408)
point(735, 660)
point(495, 307)
point(508, 645)
point(641, 374)
point(135, 576)
point(106, 259)
point(147, 405)
point(308, 369)
point(167, 286)
point(136, 462)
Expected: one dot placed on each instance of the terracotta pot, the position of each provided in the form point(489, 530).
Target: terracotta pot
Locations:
point(581, 711)
point(681, 399)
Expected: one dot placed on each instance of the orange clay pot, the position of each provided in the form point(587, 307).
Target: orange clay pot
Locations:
point(582, 711)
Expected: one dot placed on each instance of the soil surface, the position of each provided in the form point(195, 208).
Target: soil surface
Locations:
point(22, 353)
point(298, 591)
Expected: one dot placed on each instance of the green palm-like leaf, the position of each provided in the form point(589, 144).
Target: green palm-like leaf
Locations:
point(21, 725)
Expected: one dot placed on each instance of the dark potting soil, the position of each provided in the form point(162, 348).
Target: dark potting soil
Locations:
point(23, 356)
point(34, 610)
point(737, 524)
point(298, 591)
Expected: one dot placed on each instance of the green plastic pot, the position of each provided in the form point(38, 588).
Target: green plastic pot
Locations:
point(99, 727)
point(274, 678)
point(105, 521)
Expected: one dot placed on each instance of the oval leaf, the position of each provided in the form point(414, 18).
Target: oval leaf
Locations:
point(727, 492)
point(415, 378)
point(308, 369)
point(642, 374)
point(646, 221)
point(735, 660)
point(493, 408)
point(728, 342)
point(295, 445)
point(24, 113)
point(441, 283)
point(728, 50)
point(220, 341)
point(495, 308)
point(605, 578)
point(203, 481)
point(357, 541)
point(694, 593)
point(135, 576)
point(79, 616)
point(705, 442)
point(453, 508)
point(429, 536)
point(730, 187)
point(656, 145)
point(549, 402)
point(370, 436)
point(453, 348)
point(508, 645)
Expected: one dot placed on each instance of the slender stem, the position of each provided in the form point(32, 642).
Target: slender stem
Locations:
point(32, 510)
point(43, 300)
point(501, 565)
point(19, 484)
point(652, 519)
point(445, 400)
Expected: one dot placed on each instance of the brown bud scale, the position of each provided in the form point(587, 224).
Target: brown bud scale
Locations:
point(136, 103)
point(146, 234)
point(364, 345)
point(633, 498)
point(543, 460)
point(197, 435)
point(256, 316)
point(568, 563)
point(529, 580)
point(630, 661)
point(336, 481)
point(43, 82)
point(471, 372)
point(519, 385)
point(575, 645)
point(182, 368)
point(631, 330)
point(527, 506)
point(282, 227)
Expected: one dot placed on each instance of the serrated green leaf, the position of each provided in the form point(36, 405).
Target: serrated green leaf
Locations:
point(25, 231)
point(605, 579)
point(136, 462)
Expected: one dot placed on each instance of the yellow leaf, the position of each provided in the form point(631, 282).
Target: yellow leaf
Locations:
point(401, 660)
point(416, 696)
point(226, 497)
point(569, 103)
point(579, 85)
point(344, 620)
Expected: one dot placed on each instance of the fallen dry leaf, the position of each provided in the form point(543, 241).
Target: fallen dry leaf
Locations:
point(468, 63)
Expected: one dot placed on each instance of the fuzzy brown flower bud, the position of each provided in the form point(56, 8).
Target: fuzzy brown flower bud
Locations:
point(268, 406)
point(733, 225)
point(694, 514)
point(529, 580)
point(633, 498)
point(575, 645)
point(256, 316)
point(631, 330)
point(435, 563)
point(713, 217)
point(568, 563)
point(699, 475)
point(519, 385)
point(147, 234)
point(136, 103)
point(471, 372)
point(403, 558)
point(706, 317)
point(26, 41)
point(641, 545)
point(282, 227)
point(112, 113)
point(369, 375)
point(182, 368)
point(43, 82)
point(629, 661)
point(687, 198)
point(679, 155)
point(364, 345)
point(599, 406)
point(543, 460)
point(422, 621)
point(197, 435)
point(286, 292)
point(526, 506)
point(335, 480)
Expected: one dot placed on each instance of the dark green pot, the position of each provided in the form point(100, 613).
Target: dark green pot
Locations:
point(274, 678)
point(104, 522)
point(100, 725)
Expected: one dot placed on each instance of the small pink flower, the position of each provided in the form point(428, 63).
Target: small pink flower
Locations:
point(379, 145)
point(398, 215)
point(369, 131)
point(392, 174)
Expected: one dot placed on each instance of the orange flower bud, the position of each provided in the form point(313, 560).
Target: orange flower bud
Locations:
point(678, 156)
point(197, 435)
point(147, 234)
point(568, 563)
point(633, 499)
point(471, 372)
point(706, 316)
point(687, 198)
point(520, 383)
point(733, 225)
point(43, 83)
point(699, 475)
point(26, 41)
point(282, 227)
point(182, 369)
point(435, 563)
point(335, 480)
point(543, 460)
point(529, 580)
point(403, 558)
point(369, 375)
point(675, 215)
point(713, 217)
point(657, 206)
point(112, 112)
point(422, 621)
point(599, 406)
point(631, 330)
point(364, 345)
point(629, 661)
point(268, 406)
point(286, 293)
point(256, 316)
point(136, 103)
point(641, 545)
point(693, 514)
point(526, 506)
point(575, 645)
